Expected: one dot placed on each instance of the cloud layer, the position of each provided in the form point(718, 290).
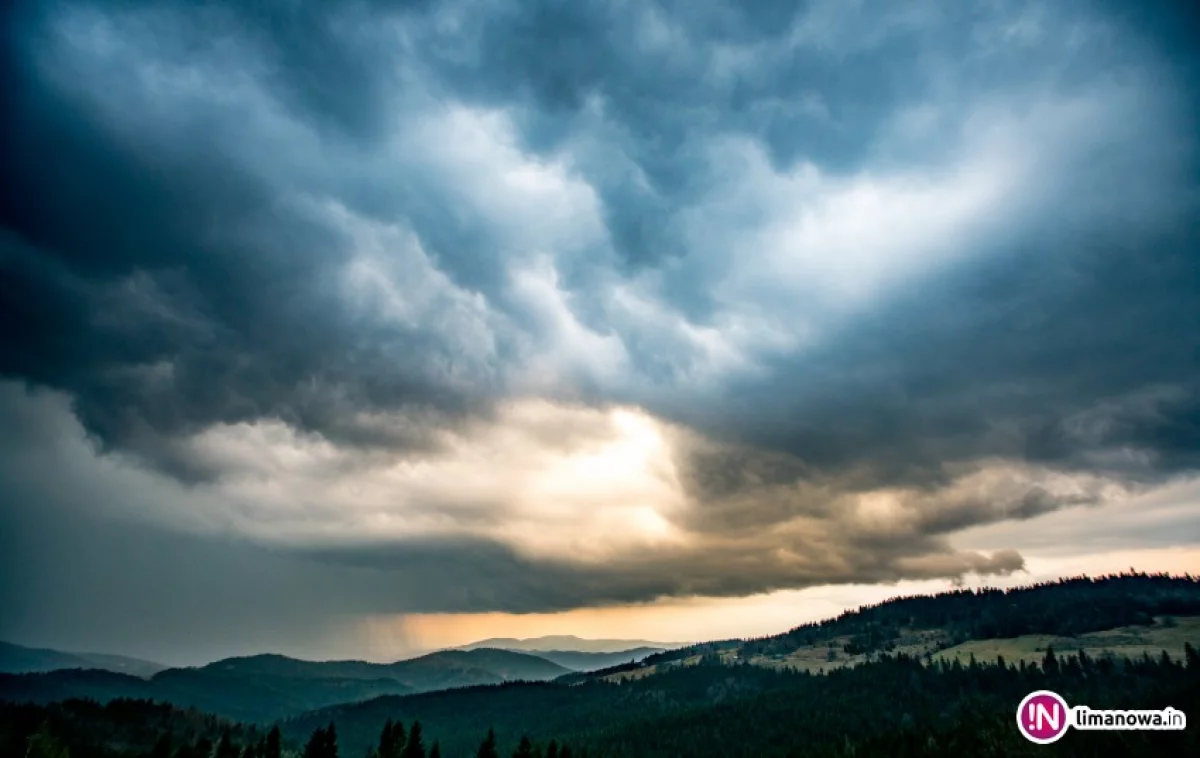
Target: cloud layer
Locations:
point(481, 306)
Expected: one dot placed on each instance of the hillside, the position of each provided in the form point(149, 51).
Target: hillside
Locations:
point(509, 665)
point(246, 698)
point(927, 625)
point(119, 729)
point(445, 668)
point(894, 706)
point(263, 688)
point(17, 659)
point(901, 651)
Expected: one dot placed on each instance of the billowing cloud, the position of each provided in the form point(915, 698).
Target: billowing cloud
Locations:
point(492, 306)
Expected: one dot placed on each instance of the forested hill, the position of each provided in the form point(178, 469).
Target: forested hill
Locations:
point(896, 706)
point(904, 698)
point(264, 688)
point(893, 706)
point(1067, 607)
point(127, 729)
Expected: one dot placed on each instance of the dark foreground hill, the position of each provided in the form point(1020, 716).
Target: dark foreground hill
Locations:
point(263, 688)
point(119, 729)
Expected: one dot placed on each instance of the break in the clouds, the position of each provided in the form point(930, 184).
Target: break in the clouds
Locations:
point(497, 306)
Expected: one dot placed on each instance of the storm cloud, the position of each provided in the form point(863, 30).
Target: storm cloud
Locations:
point(472, 306)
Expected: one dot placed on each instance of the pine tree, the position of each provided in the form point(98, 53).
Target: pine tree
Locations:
point(415, 747)
point(524, 749)
point(1050, 663)
point(225, 747)
point(565, 752)
point(331, 747)
point(487, 748)
point(315, 748)
point(272, 748)
point(1192, 657)
point(552, 749)
point(385, 735)
point(391, 739)
point(1085, 663)
point(322, 743)
point(435, 751)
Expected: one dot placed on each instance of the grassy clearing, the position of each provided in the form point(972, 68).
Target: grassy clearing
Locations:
point(1129, 641)
point(1168, 634)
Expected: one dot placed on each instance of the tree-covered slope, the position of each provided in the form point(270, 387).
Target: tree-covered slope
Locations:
point(893, 703)
point(264, 688)
point(928, 623)
point(894, 706)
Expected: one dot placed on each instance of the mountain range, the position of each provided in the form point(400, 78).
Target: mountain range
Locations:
point(267, 687)
point(578, 653)
point(16, 659)
point(924, 675)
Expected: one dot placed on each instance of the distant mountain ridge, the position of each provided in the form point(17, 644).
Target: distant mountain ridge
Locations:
point(263, 688)
point(18, 659)
point(582, 662)
point(567, 642)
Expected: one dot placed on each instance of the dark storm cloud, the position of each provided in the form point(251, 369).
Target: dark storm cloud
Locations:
point(210, 237)
point(165, 285)
point(1060, 359)
point(185, 186)
point(480, 576)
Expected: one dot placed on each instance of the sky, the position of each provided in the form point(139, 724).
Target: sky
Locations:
point(353, 330)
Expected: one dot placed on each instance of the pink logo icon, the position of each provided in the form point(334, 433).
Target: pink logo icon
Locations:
point(1043, 717)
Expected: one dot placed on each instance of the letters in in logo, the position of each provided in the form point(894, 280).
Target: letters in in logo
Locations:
point(1043, 717)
